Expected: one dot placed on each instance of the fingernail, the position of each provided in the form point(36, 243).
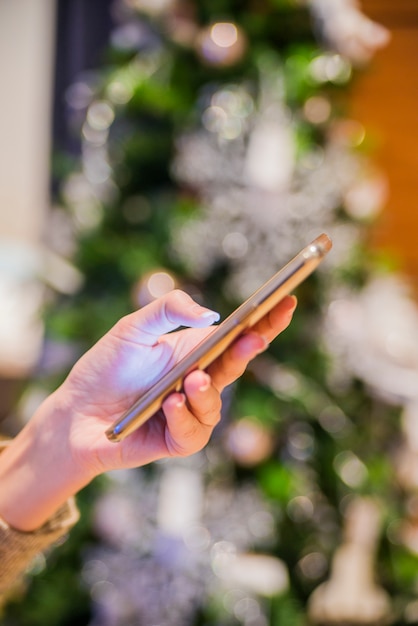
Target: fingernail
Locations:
point(181, 401)
point(211, 316)
point(206, 384)
point(293, 306)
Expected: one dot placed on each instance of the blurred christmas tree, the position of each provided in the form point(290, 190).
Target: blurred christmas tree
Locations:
point(214, 146)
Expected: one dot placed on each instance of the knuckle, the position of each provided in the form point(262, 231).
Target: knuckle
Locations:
point(122, 326)
point(211, 415)
point(174, 303)
point(176, 296)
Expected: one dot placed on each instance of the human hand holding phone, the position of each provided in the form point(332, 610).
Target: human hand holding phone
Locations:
point(216, 342)
point(63, 447)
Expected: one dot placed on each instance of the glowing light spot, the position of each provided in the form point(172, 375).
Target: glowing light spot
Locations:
point(214, 119)
point(317, 109)
point(300, 509)
point(365, 199)
point(261, 524)
point(249, 442)
point(119, 92)
point(222, 43)
point(348, 133)
point(153, 285)
point(235, 245)
point(94, 136)
point(100, 115)
point(224, 34)
point(333, 420)
point(330, 68)
point(313, 565)
point(301, 442)
point(160, 283)
point(247, 608)
point(96, 168)
point(234, 100)
point(78, 95)
point(350, 469)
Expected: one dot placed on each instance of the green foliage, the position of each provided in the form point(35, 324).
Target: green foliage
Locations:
point(317, 428)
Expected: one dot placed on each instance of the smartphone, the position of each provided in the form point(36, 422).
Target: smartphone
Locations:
point(222, 335)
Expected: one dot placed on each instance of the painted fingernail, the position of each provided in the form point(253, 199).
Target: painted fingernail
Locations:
point(293, 306)
point(206, 384)
point(181, 401)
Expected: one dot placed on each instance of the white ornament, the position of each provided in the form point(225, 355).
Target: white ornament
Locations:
point(270, 159)
point(351, 595)
point(257, 573)
point(348, 30)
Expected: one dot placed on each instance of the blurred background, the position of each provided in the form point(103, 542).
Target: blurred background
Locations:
point(200, 144)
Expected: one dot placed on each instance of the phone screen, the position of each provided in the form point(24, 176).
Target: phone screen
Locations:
point(245, 316)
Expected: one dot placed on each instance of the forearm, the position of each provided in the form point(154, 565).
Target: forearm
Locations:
point(17, 548)
point(37, 472)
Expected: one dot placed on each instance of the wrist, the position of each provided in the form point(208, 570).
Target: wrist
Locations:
point(37, 470)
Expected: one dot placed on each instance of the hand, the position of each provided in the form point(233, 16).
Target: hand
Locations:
point(65, 441)
point(133, 356)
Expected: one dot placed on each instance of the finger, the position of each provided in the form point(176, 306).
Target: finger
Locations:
point(233, 362)
point(203, 399)
point(165, 314)
point(277, 320)
point(191, 416)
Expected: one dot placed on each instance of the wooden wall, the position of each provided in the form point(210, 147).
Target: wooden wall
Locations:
point(385, 101)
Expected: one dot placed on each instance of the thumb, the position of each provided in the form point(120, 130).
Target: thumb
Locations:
point(167, 313)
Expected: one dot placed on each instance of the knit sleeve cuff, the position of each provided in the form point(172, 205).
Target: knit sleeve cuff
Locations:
point(18, 548)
